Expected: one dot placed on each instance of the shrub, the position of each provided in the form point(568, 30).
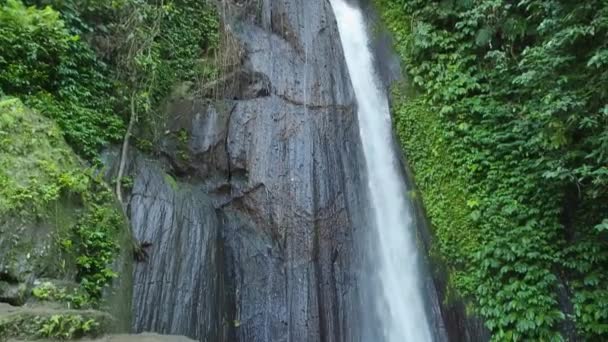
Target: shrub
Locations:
point(58, 74)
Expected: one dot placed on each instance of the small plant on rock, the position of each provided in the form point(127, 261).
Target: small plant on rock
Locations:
point(66, 327)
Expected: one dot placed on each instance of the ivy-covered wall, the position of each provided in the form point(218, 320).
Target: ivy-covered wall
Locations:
point(504, 120)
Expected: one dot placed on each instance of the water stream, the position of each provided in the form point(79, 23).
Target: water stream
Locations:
point(400, 299)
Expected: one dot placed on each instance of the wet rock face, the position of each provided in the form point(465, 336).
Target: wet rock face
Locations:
point(253, 238)
point(176, 286)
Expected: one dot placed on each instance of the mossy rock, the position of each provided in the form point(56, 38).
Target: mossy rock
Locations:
point(33, 157)
point(57, 219)
point(14, 294)
point(36, 165)
point(39, 322)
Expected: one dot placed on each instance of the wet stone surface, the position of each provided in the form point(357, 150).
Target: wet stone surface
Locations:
point(251, 218)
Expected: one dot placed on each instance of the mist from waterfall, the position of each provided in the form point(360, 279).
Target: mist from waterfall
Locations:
point(400, 304)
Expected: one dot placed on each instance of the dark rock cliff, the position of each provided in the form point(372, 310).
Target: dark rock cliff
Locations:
point(250, 219)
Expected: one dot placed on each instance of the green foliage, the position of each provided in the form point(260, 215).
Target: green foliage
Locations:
point(30, 64)
point(188, 39)
point(95, 241)
point(65, 327)
point(80, 62)
point(75, 298)
point(37, 171)
point(58, 74)
point(47, 291)
point(512, 97)
point(84, 16)
point(451, 215)
point(36, 167)
point(163, 44)
point(32, 324)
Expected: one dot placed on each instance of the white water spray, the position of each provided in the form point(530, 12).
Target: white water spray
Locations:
point(402, 312)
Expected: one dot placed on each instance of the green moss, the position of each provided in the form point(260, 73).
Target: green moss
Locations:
point(171, 181)
point(35, 163)
point(37, 171)
point(441, 190)
point(60, 220)
point(420, 134)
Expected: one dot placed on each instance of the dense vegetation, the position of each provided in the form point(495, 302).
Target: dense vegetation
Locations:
point(54, 71)
point(94, 68)
point(84, 64)
point(41, 180)
point(505, 123)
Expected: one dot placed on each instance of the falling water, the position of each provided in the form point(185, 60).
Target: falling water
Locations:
point(402, 312)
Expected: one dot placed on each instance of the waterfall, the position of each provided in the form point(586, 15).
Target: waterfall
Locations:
point(399, 296)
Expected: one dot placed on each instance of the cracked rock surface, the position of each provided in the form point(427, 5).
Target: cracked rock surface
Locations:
point(250, 219)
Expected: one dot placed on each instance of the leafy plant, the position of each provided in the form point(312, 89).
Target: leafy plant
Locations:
point(57, 73)
point(512, 97)
point(96, 246)
point(47, 291)
point(66, 327)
